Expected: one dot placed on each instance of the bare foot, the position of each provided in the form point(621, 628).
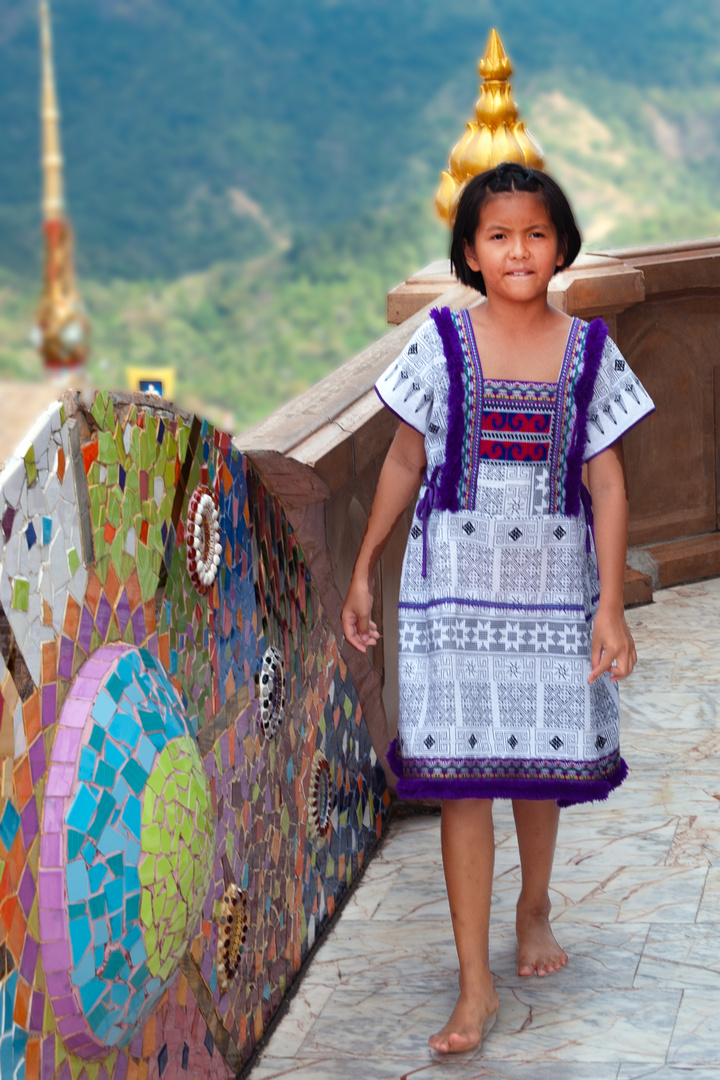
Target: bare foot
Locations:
point(471, 1019)
point(538, 951)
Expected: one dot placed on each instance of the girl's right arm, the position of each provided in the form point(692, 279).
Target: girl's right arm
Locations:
point(399, 478)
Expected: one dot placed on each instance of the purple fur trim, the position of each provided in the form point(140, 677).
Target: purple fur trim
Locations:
point(597, 332)
point(448, 498)
point(564, 792)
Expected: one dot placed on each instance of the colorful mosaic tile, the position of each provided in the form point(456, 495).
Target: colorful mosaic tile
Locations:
point(145, 775)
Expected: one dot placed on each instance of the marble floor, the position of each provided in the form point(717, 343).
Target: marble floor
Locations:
point(636, 903)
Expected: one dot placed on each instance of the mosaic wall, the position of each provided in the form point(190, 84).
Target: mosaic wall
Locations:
point(188, 785)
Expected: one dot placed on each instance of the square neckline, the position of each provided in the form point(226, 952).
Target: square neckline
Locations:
point(522, 382)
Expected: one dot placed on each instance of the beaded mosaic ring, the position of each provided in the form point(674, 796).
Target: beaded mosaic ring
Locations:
point(233, 926)
point(203, 538)
point(272, 691)
point(322, 795)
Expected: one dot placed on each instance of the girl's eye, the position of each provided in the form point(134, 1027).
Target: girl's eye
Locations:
point(538, 232)
point(498, 236)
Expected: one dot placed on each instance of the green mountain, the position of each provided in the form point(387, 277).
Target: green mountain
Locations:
point(192, 131)
point(247, 178)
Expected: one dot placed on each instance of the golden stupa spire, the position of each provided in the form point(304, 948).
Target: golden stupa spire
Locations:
point(496, 135)
point(62, 330)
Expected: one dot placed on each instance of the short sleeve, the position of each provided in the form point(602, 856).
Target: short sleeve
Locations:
point(619, 401)
point(407, 386)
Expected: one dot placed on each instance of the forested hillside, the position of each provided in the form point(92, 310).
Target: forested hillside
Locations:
point(248, 178)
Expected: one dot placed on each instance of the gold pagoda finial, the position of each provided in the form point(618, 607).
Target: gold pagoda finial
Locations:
point(496, 135)
point(62, 331)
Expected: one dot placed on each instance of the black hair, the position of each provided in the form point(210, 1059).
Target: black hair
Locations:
point(505, 178)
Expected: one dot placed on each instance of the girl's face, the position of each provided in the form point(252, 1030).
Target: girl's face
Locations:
point(516, 247)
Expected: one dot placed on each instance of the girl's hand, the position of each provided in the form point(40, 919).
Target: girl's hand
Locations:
point(358, 627)
point(613, 648)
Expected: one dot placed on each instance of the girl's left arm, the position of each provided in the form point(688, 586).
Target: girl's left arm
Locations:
point(613, 648)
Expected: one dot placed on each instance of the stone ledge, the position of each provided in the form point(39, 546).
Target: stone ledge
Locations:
point(689, 559)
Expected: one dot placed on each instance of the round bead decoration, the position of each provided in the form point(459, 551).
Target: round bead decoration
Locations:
point(203, 538)
point(272, 691)
point(233, 926)
point(322, 796)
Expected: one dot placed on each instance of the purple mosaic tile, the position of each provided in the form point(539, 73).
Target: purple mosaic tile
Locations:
point(109, 653)
point(122, 610)
point(75, 713)
point(7, 521)
point(67, 744)
point(65, 1007)
point(152, 646)
point(56, 954)
point(36, 755)
point(49, 705)
point(53, 815)
point(52, 927)
point(138, 625)
point(29, 823)
point(47, 1058)
point(26, 892)
point(66, 1073)
point(72, 1025)
point(60, 779)
point(58, 984)
point(120, 1068)
point(29, 960)
point(85, 631)
point(136, 1045)
point(65, 663)
point(51, 849)
point(36, 1011)
point(52, 884)
point(85, 688)
point(102, 617)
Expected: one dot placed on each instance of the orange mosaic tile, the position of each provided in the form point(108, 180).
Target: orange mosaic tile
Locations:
point(31, 718)
point(112, 584)
point(22, 1003)
point(23, 782)
point(71, 622)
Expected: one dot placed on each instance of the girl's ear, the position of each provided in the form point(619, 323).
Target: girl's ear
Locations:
point(561, 255)
point(471, 257)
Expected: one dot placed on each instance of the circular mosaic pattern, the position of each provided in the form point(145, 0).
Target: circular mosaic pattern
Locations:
point(272, 691)
point(130, 835)
point(233, 926)
point(203, 538)
point(322, 795)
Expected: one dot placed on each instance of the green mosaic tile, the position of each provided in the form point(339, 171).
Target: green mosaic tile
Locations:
point(21, 594)
point(30, 466)
point(73, 560)
point(99, 407)
point(107, 450)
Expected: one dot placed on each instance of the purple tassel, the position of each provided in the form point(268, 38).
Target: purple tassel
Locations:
point(564, 792)
point(597, 332)
point(448, 498)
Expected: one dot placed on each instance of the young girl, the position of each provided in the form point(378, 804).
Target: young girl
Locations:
point(512, 632)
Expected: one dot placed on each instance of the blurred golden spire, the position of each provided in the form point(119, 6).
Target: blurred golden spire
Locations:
point(496, 135)
point(62, 332)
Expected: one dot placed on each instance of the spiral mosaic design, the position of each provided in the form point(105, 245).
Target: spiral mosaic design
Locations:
point(203, 538)
point(272, 691)
point(233, 926)
point(131, 828)
point(322, 795)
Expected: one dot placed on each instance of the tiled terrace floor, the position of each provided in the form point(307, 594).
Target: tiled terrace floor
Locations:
point(636, 898)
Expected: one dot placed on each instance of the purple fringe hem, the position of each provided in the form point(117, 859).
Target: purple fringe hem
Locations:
point(597, 332)
point(448, 497)
point(564, 792)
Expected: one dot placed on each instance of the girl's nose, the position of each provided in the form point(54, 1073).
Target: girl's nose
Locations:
point(519, 247)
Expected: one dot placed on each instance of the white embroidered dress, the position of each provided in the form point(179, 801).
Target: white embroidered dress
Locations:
point(495, 636)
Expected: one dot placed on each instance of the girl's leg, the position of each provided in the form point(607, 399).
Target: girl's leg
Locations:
point(537, 824)
point(468, 848)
